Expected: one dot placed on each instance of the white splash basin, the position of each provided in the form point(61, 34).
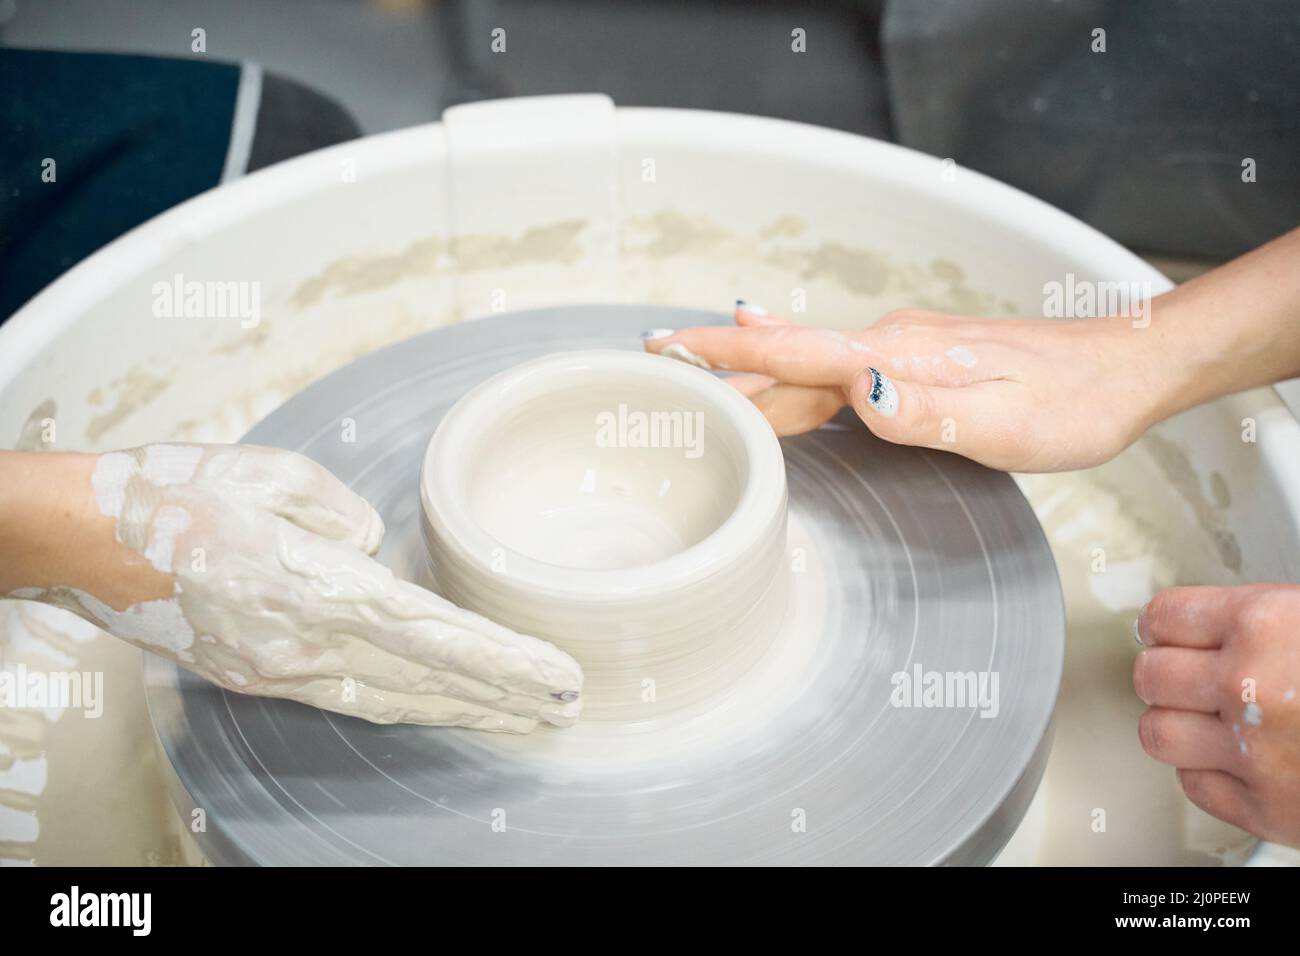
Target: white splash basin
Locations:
point(526, 203)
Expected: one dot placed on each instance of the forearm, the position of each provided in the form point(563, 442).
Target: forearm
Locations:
point(1234, 328)
point(52, 534)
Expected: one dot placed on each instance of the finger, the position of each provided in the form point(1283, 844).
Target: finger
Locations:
point(794, 354)
point(364, 662)
point(342, 660)
point(436, 633)
point(749, 384)
point(1190, 616)
point(416, 625)
point(424, 627)
point(299, 490)
point(789, 409)
point(751, 314)
point(1220, 795)
point(346, 694)
point(310, 496)
point(919, 359)
point(1183, 738)
point(969, 421)
point(1180, 677)
point(933, 348)
point(392, 707)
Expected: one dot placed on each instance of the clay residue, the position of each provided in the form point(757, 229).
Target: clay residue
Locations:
point(862, 270)
point(786, 227)
point(948, 271)
point(434, 255)
point(253, 338)
point(239, 412)
point(356, 274)
point(671, 233)
point(71, 756)
point(1219, 490)
point(557, 242)
point(858, 269)
point(31, 437)
point(1178, 471)
point(134, 390)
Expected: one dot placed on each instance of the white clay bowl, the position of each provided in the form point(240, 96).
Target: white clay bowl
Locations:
point(629, 508)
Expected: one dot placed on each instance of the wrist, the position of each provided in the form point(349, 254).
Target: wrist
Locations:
point(1230, 329)
point(52, 527)
point(1183, 357)
point(30, 515)
point(39, 515)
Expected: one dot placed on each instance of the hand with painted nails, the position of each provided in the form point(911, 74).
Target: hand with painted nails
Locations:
point(251, 567)
point(1018, 394)
point(1013, 394)
point(1220, 673)
point(1056, 395)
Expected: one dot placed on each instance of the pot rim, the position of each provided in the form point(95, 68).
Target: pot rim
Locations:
point(759, 509)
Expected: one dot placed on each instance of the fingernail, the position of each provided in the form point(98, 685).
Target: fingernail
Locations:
point(566, 695)
point(649, 335)
point(883, 397)
point(683, 354)
point(750, 307)
point(560, 715)
point(1139, 666)
point(1137, 630)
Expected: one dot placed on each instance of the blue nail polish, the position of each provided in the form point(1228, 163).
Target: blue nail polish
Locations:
point(883, 397)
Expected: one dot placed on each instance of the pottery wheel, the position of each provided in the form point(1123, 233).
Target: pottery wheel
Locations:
point(903, 561)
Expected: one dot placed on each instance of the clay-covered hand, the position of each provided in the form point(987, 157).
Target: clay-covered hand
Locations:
point(251, 566)
point(1221, 674)
point(1013, 394)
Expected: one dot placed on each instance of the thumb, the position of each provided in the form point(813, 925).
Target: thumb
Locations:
point(789, 409)
point(298, 489)
point(928, 416)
